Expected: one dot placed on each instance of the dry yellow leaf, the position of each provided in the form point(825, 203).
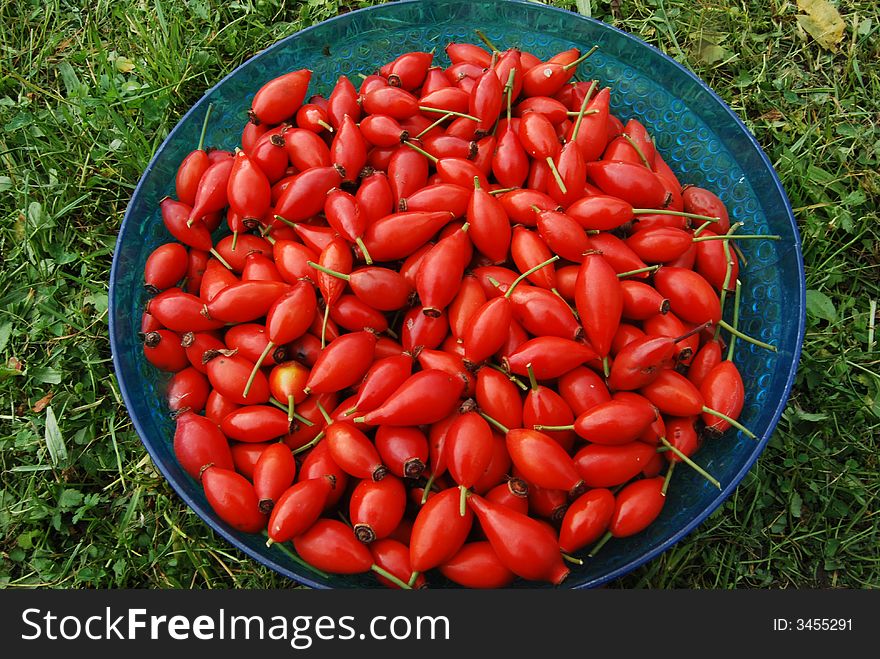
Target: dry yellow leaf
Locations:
point(124, 65)
point(822, 21)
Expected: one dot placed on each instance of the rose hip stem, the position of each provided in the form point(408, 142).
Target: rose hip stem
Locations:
point(581, 58)
point(508, 91)
point(297, 417)
point(728, 273)
point(556, 175)
point(295, 558)
point(510, 376)
point(311, 444)
point(701, 239)
point(397, 582)
point(425, 108)
point(433, 159)
point(637, 149)
point(582, 111)
point(629, 273)
point(736, 295)
point(434, 125)
point(486, 41)
point(495, 423)
point(601, 543)
point(668, 478)
point(745, 337)
point(217, 256)
point(205, 127)
point(666, 211)
point(528, 272)
point(690, 463)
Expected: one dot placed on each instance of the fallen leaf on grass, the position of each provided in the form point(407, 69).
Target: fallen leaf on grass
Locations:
point(124, 65)
point(822, 21)
point(40, 405)
point(771, 115)
point(712, 53)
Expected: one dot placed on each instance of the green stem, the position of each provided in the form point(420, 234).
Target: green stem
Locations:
point(541, 428)
point(298, 417)
point(418, 149)
point(668, 478)
point(528, 272)
point(385, 573)
point(360, 243)
point(582, 111)
point(510, 376)
point(533, 381)
point(296, 559)
point(201, 146)
point(736, 295)
point(495, 423)
point(571, 559)
point(690, 463)
point(462, 500)
point(728, 273)
point(745, 337)
point(324, 326)
point(700, 229)
point(486, 41)
point(328, 271)
point(606, 366)
point(433, 126)
point(223, 261)
point(425, 108)
point(323, 124)
point(508, 91)
point(311, 444)
point(290, 404)
point(292, 225)
point(428, 487)
point(637, 148)
point(234, 240)
point(580, 59)
point(655, 211)
point(742, 237)
point(556, 175)
point(412, 578)
point(253, 375)
point(630, 273)
point(736, 424)
point(742, 257)
point(502, 191)
point(323, 412)
point(604, 539)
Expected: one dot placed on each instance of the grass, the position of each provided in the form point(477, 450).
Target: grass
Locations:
point(80, 502)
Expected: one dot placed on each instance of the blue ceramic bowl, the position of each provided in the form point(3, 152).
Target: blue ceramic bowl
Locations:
point(697, 134)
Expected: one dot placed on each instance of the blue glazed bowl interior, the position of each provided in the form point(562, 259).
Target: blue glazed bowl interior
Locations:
point(696, 133)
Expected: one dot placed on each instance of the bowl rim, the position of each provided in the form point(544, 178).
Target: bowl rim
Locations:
point(206, 515)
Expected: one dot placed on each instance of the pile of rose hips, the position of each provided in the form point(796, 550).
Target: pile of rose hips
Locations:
point(447, 294)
